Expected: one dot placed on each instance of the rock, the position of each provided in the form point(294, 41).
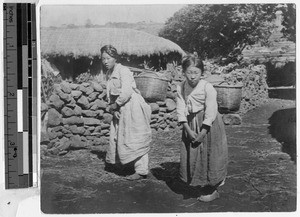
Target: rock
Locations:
point(161, 103)
point(65, 87)
point(62, 153)
point(77, 130)
point(107, 118)
point(100, 141)
point(43, 150)
point(76, 94)
point(87, 133)
point(81, 88)
point(100, 113)
point(92, 96)
point(56, 102)
point(83, 102)
point(89, 113)
point(73, 121)
point(104, 132)
point(44, 107)
point(72, 103)
point(162, 110)
point(56, 88)
point(89, 90)
point(97, 87)
point(163, 126)
point(58, 128)
point(64, 144)
point(105, 126)
point(85, 84)
point(102, 95)
point(65, 97)
point(173, 124)
point(44, 138)
point(98, 104)
point(232, 119)
point(54, 118)
point(73, 86)
point(67, 112)
point(154, 108)
point(53, 151)
point(97, 129)
point(171, 105)
point(91, 121)
point(76, 142)
point(154, 116)
point(77, 110)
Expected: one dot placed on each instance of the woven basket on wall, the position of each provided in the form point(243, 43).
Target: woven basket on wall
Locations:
point(228, 97)
point(152, 86)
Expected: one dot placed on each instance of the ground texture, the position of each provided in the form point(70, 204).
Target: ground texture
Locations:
point(261, 173)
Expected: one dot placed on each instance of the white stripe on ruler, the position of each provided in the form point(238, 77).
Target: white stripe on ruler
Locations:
point(25, 153)
point(20, 110)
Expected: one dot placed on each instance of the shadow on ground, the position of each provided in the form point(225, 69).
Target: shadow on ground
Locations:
point(168, 172)
point(283, 129)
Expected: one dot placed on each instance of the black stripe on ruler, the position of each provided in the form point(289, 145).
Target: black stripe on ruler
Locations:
point(19, 45)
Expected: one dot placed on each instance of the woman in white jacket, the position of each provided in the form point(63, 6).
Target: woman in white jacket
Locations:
point(130, 132)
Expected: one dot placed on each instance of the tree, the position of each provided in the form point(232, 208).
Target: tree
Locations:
point(221, 30)
point(289, 21)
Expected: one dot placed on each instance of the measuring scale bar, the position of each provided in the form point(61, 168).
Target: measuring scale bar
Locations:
point(20, 74)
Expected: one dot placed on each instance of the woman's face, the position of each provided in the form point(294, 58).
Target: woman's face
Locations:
point(108, 61)
point(193, 75)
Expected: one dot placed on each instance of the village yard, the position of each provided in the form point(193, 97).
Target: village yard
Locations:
point(261, 173)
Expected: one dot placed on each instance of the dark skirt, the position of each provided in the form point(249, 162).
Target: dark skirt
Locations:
point(206, 164)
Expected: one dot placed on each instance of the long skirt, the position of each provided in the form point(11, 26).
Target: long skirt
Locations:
point(130, 135)
point(205, 164)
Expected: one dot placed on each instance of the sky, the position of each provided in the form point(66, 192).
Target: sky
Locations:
point(57, 15)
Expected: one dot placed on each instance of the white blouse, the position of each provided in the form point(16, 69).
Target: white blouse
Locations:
point(202, 98)
point(121, 83)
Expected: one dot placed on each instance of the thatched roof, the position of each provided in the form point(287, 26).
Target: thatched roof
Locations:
point(88, 41)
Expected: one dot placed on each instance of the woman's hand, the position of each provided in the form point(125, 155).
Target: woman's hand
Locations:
point(191, 134)
point(117, 114)
point(200, 137)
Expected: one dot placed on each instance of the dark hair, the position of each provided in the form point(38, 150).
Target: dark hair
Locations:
point(110, 50)
point(192, 60)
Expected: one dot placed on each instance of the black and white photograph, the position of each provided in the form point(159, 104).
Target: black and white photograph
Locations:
point(167, 108)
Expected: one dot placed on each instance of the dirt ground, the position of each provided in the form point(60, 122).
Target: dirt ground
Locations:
point(261, 173)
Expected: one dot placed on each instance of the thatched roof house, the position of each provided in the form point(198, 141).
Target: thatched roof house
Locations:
point(87, 42)
point(77, 50)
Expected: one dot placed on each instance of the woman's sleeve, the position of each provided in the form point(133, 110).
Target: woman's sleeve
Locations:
point(126, 77)
point(180, 108)
point(211, 105)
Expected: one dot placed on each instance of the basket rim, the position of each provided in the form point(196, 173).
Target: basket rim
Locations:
point(163, 79)
point(230, 85)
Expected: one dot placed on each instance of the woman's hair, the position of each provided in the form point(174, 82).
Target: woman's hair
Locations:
point(192, 60)
point(110, 50)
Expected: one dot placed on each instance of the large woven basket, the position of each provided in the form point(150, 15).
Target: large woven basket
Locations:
point(228, 97)
point(152, 86)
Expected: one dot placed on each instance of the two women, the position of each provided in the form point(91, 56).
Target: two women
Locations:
point(203, 158)
point(130, 132)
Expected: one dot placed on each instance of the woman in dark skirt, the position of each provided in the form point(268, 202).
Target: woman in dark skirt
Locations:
point(204, 152)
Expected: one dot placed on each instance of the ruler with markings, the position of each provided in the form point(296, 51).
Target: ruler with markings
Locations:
point(20, 95)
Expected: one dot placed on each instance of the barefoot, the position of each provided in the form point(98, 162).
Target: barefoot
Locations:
point(209, 197)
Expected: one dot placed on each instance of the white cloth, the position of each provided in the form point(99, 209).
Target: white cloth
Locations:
point(130, 135)
point(202, 98)
point(141, 165)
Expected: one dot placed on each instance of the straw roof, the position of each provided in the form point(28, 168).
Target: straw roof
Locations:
point(88, 41)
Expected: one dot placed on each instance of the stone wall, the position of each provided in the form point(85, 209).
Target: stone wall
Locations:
point(75, 117)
